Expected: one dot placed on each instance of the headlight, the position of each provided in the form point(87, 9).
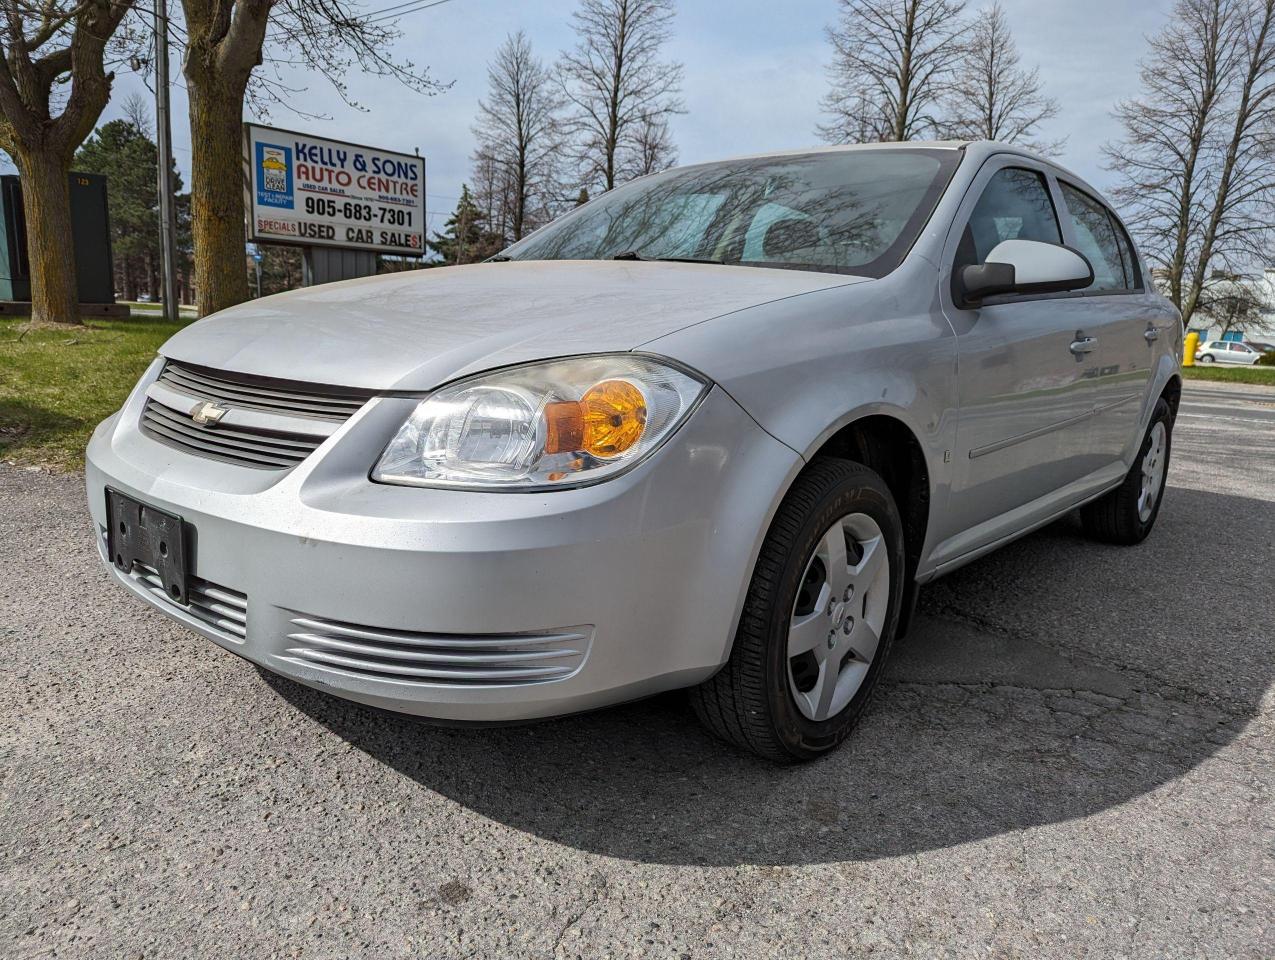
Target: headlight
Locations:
point(542, 426)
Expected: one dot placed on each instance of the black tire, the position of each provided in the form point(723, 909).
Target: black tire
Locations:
point(748, 703)
point(1114, 517)
point(1207, 358)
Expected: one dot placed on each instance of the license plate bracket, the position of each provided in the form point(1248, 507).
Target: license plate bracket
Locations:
point(139, 533)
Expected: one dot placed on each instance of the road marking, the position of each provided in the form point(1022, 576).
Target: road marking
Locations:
point(1209, 416)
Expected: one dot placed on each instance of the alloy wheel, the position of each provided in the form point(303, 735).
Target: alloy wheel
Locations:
point(1152, 472)
point(838, 616)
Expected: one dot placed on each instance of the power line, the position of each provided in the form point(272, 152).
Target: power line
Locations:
point(397, 6)
point(394, 12)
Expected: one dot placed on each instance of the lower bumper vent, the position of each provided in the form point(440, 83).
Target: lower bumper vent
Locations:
point(221, 608)
point(379, 654)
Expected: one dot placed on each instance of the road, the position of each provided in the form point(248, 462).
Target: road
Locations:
point(1232, 403)
point(1073, 757)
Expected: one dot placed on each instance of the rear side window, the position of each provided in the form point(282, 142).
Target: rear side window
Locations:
point(1132, 271)
point(1015, 205)
point(1098, 238)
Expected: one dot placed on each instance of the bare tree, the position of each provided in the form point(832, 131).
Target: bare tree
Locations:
point(1197, 161)
point(226, 44)
point(993, 96)
point(653, 148)
point(518, 129)
point(53, 87)
point(892, 64)
point(492, 194)
point(617, 85)
point(1234, 302)
point(137, 111)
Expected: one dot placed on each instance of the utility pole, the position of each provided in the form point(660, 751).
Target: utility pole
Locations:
point(164, 134)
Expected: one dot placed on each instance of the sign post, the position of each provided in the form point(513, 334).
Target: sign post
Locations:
point(164, 147)
point(256, 263)
point(344, 203)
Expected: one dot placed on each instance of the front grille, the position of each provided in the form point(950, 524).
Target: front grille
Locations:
point(300, 416)
point(248, 448)
point(255, 393)
point(379, 654)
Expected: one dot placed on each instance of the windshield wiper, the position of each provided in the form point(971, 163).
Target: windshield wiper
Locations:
point(499, 258)
point(634, 255)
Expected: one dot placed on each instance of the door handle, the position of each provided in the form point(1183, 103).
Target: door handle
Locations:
point(1152, 334)
point(1084, 345)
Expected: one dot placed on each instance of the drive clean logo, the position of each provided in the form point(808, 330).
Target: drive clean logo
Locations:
point(274, 176)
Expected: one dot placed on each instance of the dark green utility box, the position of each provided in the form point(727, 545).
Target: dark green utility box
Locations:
point(90, 230)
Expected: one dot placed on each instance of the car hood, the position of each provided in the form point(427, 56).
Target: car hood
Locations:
point(415, 330)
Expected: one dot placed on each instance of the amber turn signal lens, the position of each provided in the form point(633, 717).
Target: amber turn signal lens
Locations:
point(614, 416)
point(564, 427)
point(608, 420)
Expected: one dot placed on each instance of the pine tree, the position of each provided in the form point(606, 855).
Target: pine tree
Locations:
point(465, 238)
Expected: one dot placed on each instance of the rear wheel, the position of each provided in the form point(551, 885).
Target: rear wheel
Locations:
point(1127, 514)
point(819, 619)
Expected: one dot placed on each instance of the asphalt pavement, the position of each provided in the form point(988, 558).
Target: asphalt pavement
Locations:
point(1073, 757)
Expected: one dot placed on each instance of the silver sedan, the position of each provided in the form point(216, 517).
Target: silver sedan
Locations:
point(712, 430)
point(1226, 351)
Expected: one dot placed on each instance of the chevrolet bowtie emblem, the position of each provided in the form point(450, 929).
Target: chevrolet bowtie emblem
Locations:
point(207, 413)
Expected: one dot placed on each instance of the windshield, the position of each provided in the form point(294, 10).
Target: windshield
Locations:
point(854, 211)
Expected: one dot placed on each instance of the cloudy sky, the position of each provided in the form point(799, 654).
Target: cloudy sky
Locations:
point(755, 71)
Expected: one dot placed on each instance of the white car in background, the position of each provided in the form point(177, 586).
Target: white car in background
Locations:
point(1226, 351)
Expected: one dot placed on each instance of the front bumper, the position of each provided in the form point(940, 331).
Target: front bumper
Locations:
point(636, 583)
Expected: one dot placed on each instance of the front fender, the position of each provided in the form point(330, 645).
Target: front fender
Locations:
point(806, 366)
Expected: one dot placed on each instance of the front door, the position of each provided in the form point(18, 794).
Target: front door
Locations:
point(1025, 371)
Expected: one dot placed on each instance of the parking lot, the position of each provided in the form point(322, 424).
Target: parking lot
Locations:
point(1073, 756)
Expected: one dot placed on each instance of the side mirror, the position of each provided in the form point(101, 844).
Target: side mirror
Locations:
point(1024, 266)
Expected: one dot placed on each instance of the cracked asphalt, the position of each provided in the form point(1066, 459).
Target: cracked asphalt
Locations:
point(1071, 757)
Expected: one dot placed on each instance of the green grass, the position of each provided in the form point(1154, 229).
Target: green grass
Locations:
point(56, 385)
point(1263, 375)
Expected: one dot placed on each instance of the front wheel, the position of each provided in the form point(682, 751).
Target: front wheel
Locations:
point(1207, 358)
point(818, 621)
point(1127, 514)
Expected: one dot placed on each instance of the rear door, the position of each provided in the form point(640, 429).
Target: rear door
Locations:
point(1124, 320)
point(1026, 396)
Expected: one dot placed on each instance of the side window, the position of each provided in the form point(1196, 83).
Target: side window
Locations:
point(1096, 239)
point(1132, 272)
point(1015, 205)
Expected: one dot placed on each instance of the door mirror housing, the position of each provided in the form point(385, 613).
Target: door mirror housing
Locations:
point(1023, 267)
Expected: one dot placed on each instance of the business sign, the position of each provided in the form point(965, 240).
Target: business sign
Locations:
point(325, 193)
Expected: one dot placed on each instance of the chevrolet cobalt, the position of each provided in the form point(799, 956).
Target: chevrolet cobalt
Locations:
point(711, 430)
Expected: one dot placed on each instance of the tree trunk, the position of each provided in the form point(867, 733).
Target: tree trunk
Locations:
point(216, 197)
point(126, 275)
point(46, 202)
